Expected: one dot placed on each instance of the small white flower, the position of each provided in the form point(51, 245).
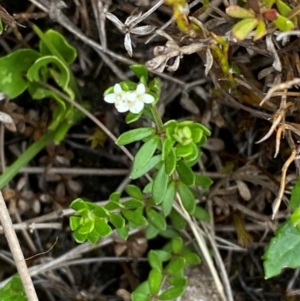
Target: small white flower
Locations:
point(117, 96)
point(132, 101)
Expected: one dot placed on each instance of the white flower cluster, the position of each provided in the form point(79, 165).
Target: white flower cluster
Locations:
point(132, 101)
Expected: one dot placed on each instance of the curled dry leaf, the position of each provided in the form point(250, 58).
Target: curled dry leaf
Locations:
point(7, 122)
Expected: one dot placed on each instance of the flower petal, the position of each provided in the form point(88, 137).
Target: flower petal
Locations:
point(118, 89)
point(110, 98)
point(136, 107)
point(140, 89)
point(131, 96)
point(147, 98)
point(122, 106)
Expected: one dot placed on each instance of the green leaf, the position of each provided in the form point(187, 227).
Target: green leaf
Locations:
point(160, 184)
point(170, 162)
point(185, 173)
point(190, 257)
point(136, 296)
point(201, 214)
point(131, 117)
point(134, 217)
point(123, 233)
point(163, 255)
point(102, 227)
point(134, 191)
point(283, 23)
point(155, 85)
point(151, 232)
point(168, 200)
point(1, 27)
point(177, 245)
point(79, 204)
point(111, 205)
point(137, 173)
point(172, 293)
point(145, 153)
point(53, 43)
point(35, 71)
point(295, 196)
point(178, 221)
point(175, 265)
point(93, 237)
point(261, 30)
point(80, 238)
point(187, 197)
point(282, 251)
point(236, 11)
point(156, 219)
point(74, 222)
point(154, 260)
point(203, 181)
point(140, 71)
point(100, 211)
point(167, 148)
point(117, 220)
point(184, 150)
point(178, 281)
point(115, 196)
point(135, 135)
point(133, 204)
point(283, 7)
point(243, 28)
point(155, 280)
point(12, 69)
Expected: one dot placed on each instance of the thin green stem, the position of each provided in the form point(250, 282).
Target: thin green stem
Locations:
point(158, 121)
point(23, 160)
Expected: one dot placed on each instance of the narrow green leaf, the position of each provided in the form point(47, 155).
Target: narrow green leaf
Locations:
point(236, 11)
point(155, 280)
point(160, 184)
point(185, 173)
point(156, 219)
point(134, 191)
point(137, 173)
point(177, 281)
point(112, 205)
point(131, 117)
point(166, 148)
point(145, 153)
point(295, 196)
point(93, 237)
point(154, 260)
point(168, 200)
point(243, 28)
point(135, 135)
point(134, 217)
point(172, 293)
point(282, 251)
point(187, 197)
point(170, 162)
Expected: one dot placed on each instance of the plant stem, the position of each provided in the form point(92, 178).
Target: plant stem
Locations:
point(16, 251)
point(30, 152)
point(158, 121)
